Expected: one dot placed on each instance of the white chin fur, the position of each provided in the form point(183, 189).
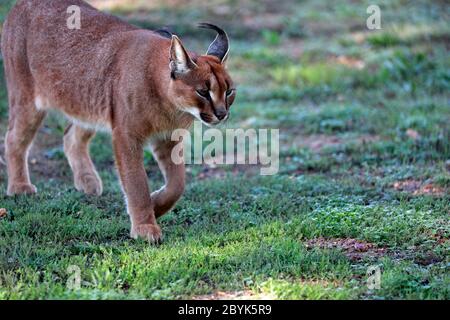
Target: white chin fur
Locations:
point(196, 113)
point(193, 111)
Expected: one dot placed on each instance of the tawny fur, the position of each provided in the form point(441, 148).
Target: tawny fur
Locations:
point(112, 75)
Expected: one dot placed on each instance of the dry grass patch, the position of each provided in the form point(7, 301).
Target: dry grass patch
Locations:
point(417, 187)
point(234, 295)
point(354, 249)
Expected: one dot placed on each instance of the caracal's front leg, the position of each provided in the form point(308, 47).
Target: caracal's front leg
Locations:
point(130, 163)
point(174, 175)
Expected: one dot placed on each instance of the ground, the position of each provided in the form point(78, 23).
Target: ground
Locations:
point(364, 170)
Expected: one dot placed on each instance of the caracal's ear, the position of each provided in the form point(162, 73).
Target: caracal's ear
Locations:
point(220, 47)
point(180, 62)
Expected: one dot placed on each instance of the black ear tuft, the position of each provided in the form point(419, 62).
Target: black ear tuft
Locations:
point(164, 32)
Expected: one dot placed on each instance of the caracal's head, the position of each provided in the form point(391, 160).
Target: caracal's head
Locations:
point(201, 85)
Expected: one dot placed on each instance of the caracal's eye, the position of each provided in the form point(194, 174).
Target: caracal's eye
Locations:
point(230, 92)
point(203, 93)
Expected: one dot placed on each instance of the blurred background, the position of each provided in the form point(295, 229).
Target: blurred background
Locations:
point(365, 153)
point(314, 69)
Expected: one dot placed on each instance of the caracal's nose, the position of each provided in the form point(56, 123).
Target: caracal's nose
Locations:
point(221, 113)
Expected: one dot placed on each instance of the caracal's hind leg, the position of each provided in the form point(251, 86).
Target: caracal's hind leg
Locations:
point(24, 122)
point(76, 148)
point(174, 175)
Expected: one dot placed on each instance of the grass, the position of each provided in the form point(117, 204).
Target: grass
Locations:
point(363, 118)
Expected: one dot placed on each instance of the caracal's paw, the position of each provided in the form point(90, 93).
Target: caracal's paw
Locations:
point(21, 188)
point(150, 232)
point(90, 184)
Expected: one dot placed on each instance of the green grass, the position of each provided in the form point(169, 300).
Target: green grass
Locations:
point(351, 134)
